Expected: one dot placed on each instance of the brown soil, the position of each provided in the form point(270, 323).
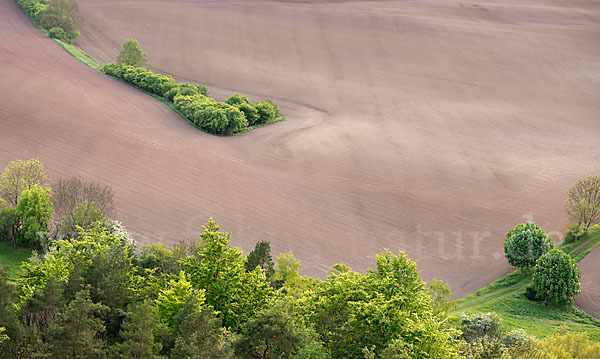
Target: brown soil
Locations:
point(589, 299)
point(427, 126)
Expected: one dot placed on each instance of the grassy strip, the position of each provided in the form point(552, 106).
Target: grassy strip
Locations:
point(11, 258)
point(80, 55)
point(506, 297)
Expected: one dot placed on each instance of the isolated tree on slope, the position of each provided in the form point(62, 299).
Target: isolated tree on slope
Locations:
point(131, 54)
point(556, 277)
point(525, 244)
point(19, 176)
point(583, 204)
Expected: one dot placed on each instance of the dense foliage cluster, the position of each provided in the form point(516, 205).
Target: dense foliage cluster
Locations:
point(556, 277)
point(90, 293)
point(60, 17)
point(525, 244)
point(223, 118)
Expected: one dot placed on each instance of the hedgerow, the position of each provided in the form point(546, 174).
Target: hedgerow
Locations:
point(234, 115)
point(33, 8)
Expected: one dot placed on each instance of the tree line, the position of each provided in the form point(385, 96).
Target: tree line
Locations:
point(59, 17)
point(234, 115)
point(90, 292)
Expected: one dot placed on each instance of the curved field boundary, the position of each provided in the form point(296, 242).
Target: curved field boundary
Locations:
point(505, 296)
point(88, 60)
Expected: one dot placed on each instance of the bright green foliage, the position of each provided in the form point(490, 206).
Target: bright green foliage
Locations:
point(131, 54)
point(352, 311)
point(525, 244)
point(3, 337)
point(33, 8)
point(62, 14)
point(59, 33)
point(137, 334)
point(19, 176)
point(441, 296)
point(222, 118)
point(76, 332)
point(288, 268)
point(211, 116)
point(63, 256)
point(186, 89)
point(82, 218)
point(563, 345)
point(583, 203)
point(267, 111)
point(271, 334)
point(244, 105)
point(160, 258)
point(556, 277)
point(235, 294)
point(171, 299)
point(261, 257)
point(198, 334)
point(35, 210)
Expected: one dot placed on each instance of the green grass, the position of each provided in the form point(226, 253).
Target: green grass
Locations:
point(11, 258)
point(506, 297)
point(88, 60)
point(80, 55)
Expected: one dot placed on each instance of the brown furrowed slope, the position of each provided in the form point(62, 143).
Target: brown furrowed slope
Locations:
point(418, 126)
point(589, 299)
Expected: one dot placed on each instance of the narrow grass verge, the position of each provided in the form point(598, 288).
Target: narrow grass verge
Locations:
point(88, 60)
point(506, 297)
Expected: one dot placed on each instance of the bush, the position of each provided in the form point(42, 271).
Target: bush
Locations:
point(531, 294)
point(267, 111)
point(556, 277)
point(33, 8)
point(223, 118)
point(574, 234)
point(59, 33)
point(481, 326)
point(63, 14)
point(186, 89)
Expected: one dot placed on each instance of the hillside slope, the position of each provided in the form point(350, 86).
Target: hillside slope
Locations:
point(411, 125)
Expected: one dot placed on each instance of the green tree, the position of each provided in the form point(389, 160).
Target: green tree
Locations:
point(236, 294)
point(82, 218)
point(137, 334)
point(556, 277)
point(261, 257)
point(525, 244)
point(19, 176)
point(34, 210)
point(583, 203)
point(288, 268)
point(76, 332)
point(441, 296)
point(3, 337)
point(352, 311)
point(270, 335)
point(131, 54)
point(62, 14)
point(198, 334)
point(172, 299)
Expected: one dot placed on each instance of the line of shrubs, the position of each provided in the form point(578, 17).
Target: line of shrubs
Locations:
point(60, 17)
point(234, 115)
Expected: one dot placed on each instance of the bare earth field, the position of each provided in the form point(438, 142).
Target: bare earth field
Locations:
point(589, 299)
point(427, 126)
